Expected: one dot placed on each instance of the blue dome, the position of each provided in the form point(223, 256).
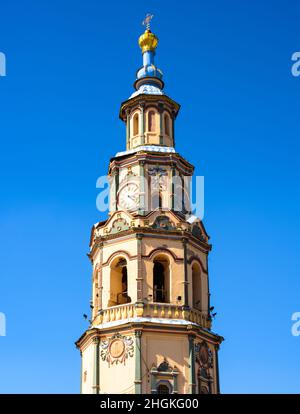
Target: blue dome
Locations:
point(149, 71)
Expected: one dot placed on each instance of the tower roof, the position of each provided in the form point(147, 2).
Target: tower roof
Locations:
point(149, 76)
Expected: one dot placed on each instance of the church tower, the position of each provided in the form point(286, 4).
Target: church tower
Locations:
point(150, 328)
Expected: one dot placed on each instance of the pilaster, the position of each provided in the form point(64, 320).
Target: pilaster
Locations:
point(138, 362)
point(186, 290)
point(192, 375)
point(127, 129)
point(96, 369)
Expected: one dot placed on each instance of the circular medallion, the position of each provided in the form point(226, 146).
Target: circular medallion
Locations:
point(117, 348)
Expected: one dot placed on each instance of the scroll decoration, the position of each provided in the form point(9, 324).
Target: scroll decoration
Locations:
point(117, 349)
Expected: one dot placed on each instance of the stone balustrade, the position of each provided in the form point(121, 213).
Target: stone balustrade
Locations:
point(151, 310)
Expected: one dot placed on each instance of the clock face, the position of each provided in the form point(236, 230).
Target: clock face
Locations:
point(128, 197)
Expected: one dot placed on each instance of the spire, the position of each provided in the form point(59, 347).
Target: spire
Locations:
point(148, 77)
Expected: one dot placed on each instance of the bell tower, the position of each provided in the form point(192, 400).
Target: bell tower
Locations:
point(150, 328)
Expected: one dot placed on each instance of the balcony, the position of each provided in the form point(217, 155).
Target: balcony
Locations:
point(151, 310)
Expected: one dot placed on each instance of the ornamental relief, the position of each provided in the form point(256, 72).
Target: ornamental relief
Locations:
point(204, 355)
point(116, 349)
point(164, 223)
point(120, 224)
point(158, 178)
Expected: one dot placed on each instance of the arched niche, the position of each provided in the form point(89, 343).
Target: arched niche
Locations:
point(118, 286)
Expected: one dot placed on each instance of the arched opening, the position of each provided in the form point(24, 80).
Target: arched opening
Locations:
point(196, 286)
point(118, 283)
point(163, 389)
point(161, 283)
point(136, 124)
point(167, 124)
point(151, 121)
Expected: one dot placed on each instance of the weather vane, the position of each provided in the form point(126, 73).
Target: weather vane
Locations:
point(147, 20)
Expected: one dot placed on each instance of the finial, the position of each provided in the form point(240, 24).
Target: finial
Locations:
point(146, 22)
point(148, 41)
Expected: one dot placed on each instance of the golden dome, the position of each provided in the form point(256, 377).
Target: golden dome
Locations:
point(148, 41)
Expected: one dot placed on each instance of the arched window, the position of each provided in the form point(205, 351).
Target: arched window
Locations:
point(151, 121)
point(136, 124)
point(163, 389)
point(167, 124)
point(118, 283)
point(196, 286)
point(161, 280)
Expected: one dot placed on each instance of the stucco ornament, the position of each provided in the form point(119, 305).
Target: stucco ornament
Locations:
point(204, 355)
point(120, 224)
point(163, 222)
point(158, 178)
point(117, 349)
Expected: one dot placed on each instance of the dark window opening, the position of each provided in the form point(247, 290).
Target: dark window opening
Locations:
point(163, 389)
point(167, 125)
point(159, 283)
point(123, 296)
point(151, 121)
point(136, 124)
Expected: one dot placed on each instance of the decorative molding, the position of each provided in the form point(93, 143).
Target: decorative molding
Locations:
point(198, 233)
point(195, 258)
point(162, 250)
point(117, 349)
point(116, 254)
point(120, 224)
point(164, 223)
point(204, 355)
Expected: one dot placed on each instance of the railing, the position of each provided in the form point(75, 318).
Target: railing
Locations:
point(151, 310)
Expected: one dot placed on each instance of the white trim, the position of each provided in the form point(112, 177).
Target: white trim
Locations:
point(152, 148)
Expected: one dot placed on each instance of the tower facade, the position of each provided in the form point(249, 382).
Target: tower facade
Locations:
point(150, 328)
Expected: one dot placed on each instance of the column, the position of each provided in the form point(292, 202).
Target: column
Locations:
point(81, 373)
point(142, 206)
point(186, 283)
point(100, 281)
point(173, 188)
point(138, 360)
point(192, 376)
point(139, 279)
point(96, 376)
point(217, 368)
point(153, 374)
point(127, 129)
point(175, 381)
point(116, 172)
point(161, 136)
point(173, 128)
point(142, 117)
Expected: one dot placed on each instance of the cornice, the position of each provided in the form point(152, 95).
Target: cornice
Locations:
point(150, 157)
point(131, 327)
point(150, 232)
point(131, 103)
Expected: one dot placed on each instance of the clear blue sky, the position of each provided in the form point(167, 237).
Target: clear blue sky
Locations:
point(69, 66)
